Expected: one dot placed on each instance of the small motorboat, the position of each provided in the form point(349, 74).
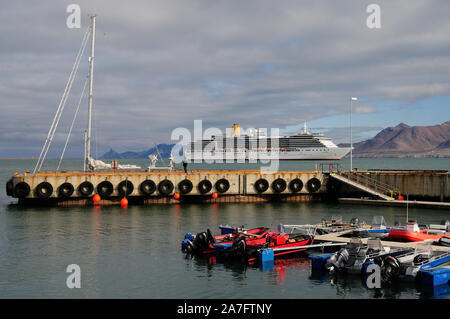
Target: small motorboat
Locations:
point(408, 264)
point(377, 228)
point(355, 255)
point(336, 225)
point(204, 242)
point(444, 241)
point(283, 245)
point(412, 232)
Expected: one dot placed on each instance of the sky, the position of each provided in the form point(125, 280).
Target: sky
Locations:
point(160, 65)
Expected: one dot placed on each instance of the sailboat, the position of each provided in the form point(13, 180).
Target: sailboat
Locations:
point(89, 162)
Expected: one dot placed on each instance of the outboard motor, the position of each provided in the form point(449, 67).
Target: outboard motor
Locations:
point(337, 261)
point(200, 241)
point(354, 221)
point(390, 269)
point(281, 228)
point(210, 237)
point(187, 246)
point(446, 223)
point(237, 249)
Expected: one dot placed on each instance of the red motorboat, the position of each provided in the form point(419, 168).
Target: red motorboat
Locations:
point(245, 249)
point(205, 242)
point(412, 232)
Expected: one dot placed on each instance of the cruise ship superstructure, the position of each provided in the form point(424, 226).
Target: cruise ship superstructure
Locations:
point(256, 145)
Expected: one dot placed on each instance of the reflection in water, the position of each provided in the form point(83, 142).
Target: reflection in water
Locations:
point(278, 275)
point(347, 285)
point(136, 252)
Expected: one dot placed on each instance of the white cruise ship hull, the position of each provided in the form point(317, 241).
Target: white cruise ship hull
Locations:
point(334, 153)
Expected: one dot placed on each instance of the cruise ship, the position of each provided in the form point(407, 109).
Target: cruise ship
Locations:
point(256, 145)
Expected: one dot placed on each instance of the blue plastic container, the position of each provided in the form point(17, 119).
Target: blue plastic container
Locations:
point(318, 261)
point(266, 255)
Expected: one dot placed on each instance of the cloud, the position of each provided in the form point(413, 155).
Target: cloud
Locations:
point(162, 64)
point(364, 109)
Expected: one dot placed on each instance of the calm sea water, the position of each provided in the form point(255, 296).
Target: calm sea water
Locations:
point(135, 252)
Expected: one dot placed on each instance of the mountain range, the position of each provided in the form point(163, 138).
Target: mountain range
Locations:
point(399, 141)
point(163, 150)
point(407, 141)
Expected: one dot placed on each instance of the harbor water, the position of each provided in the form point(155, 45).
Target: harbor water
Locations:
point(135, 252)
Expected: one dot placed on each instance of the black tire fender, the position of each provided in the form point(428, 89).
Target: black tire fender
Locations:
point(105, 189)
point(313, 185)
point(147, 187)
point(204, 186)
point(125, 188)
point(279, 185)
point(65, 190)
point(9, 188)
point(44, 190)
point(295, 185)
point(222, 185)
point(261, 185)
point(185, 186)
point(22, 190)
point(165, 187)
point(86, 188)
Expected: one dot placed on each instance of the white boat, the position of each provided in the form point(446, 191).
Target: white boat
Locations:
point(256, 146)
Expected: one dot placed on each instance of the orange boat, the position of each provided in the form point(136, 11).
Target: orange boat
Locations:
point(412, 232)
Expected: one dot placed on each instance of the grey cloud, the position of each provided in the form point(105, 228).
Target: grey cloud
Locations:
point(162, 64)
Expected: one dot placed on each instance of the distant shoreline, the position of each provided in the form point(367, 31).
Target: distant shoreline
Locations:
point(346, 157)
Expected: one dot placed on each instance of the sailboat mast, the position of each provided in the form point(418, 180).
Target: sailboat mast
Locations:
point(91, 83)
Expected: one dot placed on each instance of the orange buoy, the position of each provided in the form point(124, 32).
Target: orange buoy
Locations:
point(96, 198)
point(176, 195)
point(124, 201)
point(214, 195)
point(400, 197)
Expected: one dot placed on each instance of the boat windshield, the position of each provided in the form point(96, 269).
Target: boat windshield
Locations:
point(424, 248)
point(374, 244)
point(378, 222)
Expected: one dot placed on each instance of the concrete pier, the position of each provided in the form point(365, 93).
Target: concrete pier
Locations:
point(420, 185)
point(64, 188)
point(159, 187)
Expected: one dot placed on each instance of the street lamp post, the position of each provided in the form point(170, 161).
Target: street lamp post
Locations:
point(351, 137)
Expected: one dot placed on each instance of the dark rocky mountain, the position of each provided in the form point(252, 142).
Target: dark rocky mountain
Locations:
point(407, 141)
point(164, 150)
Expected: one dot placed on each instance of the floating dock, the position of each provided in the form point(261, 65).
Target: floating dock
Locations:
point(396, 203)
point(337, 238)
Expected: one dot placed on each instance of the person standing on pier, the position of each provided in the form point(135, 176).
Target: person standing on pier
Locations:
point(185, 165)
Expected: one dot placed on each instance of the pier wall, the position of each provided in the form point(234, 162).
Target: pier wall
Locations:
point(418, 185)
point(241, 186)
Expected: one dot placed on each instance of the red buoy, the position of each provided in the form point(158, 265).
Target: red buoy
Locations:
point(96, 198)
point(176, 195)
point(214, 195)
point(124, 201)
